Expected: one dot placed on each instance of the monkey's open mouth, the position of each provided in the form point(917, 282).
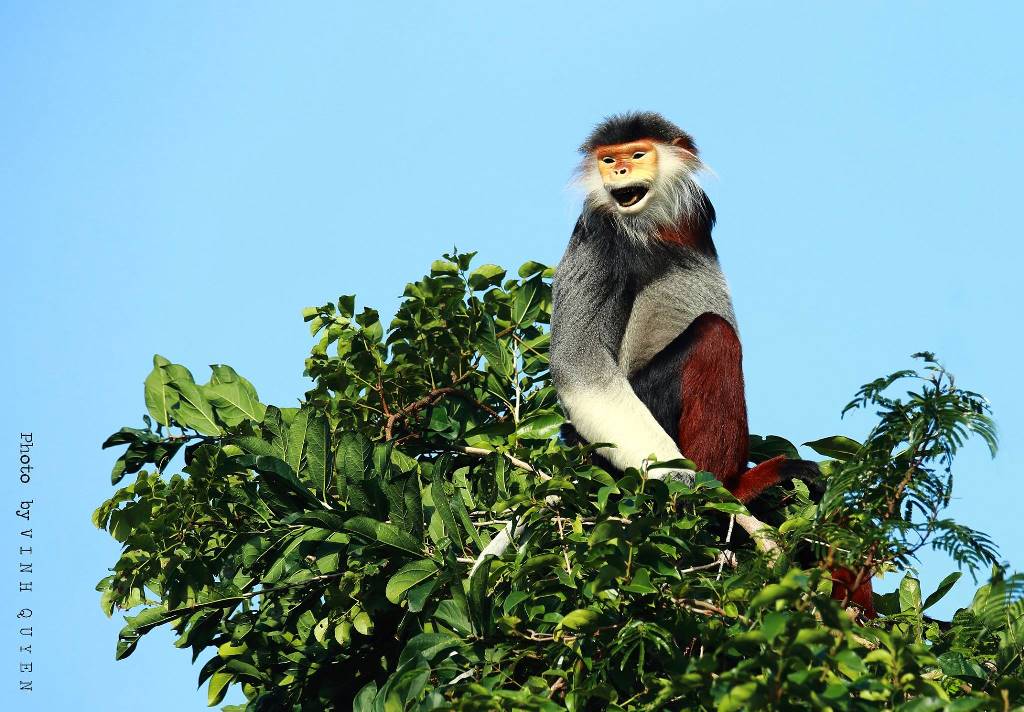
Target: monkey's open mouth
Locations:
point(627, 197)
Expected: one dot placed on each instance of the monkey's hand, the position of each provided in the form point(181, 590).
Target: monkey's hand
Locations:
point(680, 474)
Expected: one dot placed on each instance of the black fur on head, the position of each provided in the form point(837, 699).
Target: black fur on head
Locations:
point(633, 126)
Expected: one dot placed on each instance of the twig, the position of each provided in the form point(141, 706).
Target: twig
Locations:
point(521, 464)
point(705, 608)
point(430, 399)
point(380, 393)
point(515, 378)
point(565, 548)
point(231, 600)
point(723, 558)
point(728, 539)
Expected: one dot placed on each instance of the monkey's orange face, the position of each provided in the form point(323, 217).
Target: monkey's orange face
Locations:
point(628, 170)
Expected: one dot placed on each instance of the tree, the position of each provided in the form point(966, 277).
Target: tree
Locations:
point(325, 551)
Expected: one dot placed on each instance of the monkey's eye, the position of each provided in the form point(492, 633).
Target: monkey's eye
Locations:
point(638, 155)
point(608, 159)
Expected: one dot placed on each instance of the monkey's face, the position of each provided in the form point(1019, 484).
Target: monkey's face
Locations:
point(628, 171)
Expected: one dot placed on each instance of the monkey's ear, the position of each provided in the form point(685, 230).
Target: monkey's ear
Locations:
point(686, 143)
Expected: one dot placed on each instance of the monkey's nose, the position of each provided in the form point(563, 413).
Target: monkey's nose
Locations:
point(622, 171)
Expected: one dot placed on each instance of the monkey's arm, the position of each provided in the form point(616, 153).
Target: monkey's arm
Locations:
point(589, 313)
point(606, 410)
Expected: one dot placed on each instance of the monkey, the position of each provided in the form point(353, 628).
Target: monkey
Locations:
point(645, 350)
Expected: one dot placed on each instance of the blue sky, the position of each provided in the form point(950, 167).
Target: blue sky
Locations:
point(184, 178)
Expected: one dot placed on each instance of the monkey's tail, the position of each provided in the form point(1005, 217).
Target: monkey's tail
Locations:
point(752, 483)
point(863, 596)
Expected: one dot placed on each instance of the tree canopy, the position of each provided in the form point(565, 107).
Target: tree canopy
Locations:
point(323, 553)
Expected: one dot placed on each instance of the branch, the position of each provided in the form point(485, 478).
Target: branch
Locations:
point(758, 530)
point(521, 464)
point(430, 399)
point(231, 601)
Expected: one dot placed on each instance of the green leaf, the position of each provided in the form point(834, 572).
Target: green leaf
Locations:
point(233, 397)
point(347, 305)
point(439, 267)
point(513, 599)
point(354, 451)
point(297, 438)
point(956, 664)
point(129, 436)
point(910, 594)
point(499, 358)
point(463, 259)
point(454, 615)
point(944, 586)
point(442, 504)
point(352, 462)
point(413, 496)
point(459, 508)
point(727, 507)
point(851, 661)
point(125, 646)
point(418, 595)
point(333, 521)
point(275, 430)
point(318, 451)
point(408, 576)
point(479, 604)
point(384, 533)
point(486, 276)
point(364, 701)
point(278, 474)
point(581, 619)
point(773, 624)
point(525, 301)
point(427, 646)
point(258, 446)
point(771, 593)
point(161, 399)
point(737, 698)
point(765, 448)
point(286, 560)
point(363, 623)
point(640, 583)
point(838, 447)
point(401, 489)
point(888, 604)
point(541, 426)
point(193, 410)
point(442, 500)
point(219, 684)
point(530, 268)
point(240, 667)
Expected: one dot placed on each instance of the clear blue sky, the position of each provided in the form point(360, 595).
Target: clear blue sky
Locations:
point(183, 178)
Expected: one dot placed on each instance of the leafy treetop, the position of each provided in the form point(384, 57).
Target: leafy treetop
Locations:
point(322, 553)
